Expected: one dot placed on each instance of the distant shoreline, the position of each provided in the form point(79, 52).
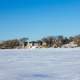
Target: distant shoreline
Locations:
point(43, 49)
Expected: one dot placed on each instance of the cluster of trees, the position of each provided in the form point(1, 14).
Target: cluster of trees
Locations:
point(77, 40)
point(60, 40)
point(14, 43)
point(56, 41)
point(9, 44)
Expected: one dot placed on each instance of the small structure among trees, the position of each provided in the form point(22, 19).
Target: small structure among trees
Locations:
point(23, 42)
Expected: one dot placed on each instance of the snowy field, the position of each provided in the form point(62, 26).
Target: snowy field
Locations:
point(40, 64)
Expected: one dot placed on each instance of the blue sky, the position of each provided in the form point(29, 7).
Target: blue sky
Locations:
point(38, 18)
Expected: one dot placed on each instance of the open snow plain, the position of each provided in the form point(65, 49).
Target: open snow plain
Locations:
point(40, 64)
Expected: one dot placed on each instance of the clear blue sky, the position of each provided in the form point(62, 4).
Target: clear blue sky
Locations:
point(38, 18)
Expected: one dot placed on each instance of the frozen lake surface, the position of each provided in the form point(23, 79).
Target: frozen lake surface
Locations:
point(40, 64)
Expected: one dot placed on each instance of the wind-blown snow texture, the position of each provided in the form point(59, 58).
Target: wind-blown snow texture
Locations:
point(40, 64)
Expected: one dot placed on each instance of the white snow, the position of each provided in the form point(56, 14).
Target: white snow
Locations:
point(40, 64)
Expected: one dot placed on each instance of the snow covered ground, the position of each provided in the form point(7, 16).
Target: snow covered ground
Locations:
point(40, 64)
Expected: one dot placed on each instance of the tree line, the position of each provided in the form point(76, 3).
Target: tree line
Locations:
point(56, 41)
